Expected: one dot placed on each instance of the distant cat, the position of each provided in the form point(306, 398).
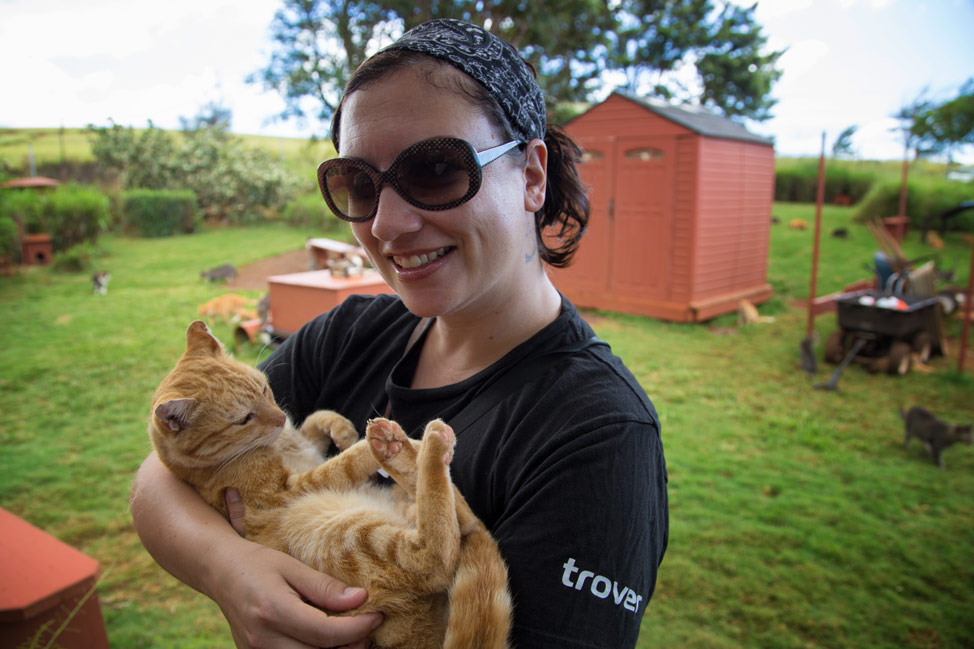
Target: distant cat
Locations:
point(230, 307)
point(226, 272)
point(430, 566)
point(99, 282)
point(934, 433)
point(747, 314)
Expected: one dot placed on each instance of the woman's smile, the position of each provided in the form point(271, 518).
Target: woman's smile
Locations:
point(414, 261)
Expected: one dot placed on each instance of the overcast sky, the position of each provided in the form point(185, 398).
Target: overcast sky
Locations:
point(70, 63)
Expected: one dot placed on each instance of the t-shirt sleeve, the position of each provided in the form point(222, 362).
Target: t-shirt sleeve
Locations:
point(584, 535)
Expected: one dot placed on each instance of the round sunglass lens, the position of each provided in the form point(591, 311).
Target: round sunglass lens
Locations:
point(352, 191)
point(435, 176)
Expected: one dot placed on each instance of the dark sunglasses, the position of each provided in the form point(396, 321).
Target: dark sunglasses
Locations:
point(436, 174)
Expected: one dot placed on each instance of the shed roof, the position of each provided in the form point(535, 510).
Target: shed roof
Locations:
point(698, 119)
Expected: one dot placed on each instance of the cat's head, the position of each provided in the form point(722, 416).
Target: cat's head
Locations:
point(964, 433)
point(211, 408)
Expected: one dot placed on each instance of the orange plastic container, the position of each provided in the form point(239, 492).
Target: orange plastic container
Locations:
point(42, 581)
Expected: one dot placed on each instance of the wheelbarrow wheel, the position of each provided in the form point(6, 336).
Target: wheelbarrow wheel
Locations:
point(899, 358)
point(922, 346)
point(835, 347)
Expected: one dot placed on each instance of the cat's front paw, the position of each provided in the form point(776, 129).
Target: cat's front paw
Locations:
point(323, 427)
point(343, 432)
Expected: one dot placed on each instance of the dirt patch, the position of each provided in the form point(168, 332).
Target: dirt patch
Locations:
point(254, 276)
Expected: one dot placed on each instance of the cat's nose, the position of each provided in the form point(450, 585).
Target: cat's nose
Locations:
point(279, 418)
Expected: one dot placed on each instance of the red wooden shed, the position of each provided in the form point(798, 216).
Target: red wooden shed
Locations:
point(681, 211)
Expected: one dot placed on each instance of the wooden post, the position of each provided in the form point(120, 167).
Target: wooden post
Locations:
point(819, 199)
point(903, 175)
point(967, 315)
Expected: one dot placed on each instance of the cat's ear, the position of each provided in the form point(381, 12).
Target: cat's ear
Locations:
point(199, 338)
point(175, 414)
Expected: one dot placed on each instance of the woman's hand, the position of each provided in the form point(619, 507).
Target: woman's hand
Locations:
point(263, 595)
point(269, 598)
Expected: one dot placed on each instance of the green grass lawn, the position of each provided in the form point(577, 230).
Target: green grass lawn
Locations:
point(797, 517)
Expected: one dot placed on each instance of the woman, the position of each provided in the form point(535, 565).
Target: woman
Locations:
point(448, 176)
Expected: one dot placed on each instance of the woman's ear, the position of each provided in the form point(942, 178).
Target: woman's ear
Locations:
point(535, 175)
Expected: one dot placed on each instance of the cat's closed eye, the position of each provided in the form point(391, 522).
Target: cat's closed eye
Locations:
point(246, 419)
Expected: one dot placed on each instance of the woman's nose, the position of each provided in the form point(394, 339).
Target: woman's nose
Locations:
point(394, 216)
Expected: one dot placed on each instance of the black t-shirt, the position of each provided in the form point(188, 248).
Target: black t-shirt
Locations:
point(567, 471)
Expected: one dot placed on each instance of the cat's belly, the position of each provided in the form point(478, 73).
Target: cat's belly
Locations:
point(342, 532)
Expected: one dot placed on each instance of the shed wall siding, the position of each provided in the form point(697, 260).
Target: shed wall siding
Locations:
point(681, 245)
point(734, 215)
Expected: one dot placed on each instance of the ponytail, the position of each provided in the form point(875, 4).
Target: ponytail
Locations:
point(562, 220)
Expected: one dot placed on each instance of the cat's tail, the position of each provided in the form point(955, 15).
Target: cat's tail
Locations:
point(480, 603)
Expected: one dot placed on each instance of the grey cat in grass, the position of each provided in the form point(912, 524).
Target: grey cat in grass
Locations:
point(934, 433)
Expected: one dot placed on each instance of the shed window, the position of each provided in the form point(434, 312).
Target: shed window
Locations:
point(644, 154)
point(589, 155)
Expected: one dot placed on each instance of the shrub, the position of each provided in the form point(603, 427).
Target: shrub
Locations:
point(74, 214)
point(924, 200)
point(23, 206)
point(311, 211)
point(8, 239)
point(159, 213)
point(231, 181)
point(74, 260)
point(71, 214)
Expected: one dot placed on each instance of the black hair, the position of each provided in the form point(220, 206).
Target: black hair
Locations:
point(563, 218)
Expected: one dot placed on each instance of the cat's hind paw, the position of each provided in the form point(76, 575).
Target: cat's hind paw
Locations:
point(442, 437)
point(392, 448)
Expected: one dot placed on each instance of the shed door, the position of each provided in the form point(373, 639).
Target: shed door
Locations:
point(590, 268)
point(641, 217)
point(626, 250)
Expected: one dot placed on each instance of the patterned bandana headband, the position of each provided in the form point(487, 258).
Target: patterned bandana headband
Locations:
point(495, 64)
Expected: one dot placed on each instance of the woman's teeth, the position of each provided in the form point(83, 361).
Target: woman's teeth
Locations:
point(416, 261)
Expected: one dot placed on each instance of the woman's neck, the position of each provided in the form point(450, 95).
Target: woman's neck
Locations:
point(463, 344)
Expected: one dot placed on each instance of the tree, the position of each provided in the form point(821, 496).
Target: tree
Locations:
point(318, 44)
point(722, 41)
point(213, 115)
point(574, 45)
point(141, 158)
point(945, 127)
point(231, 181)
point(843, 144)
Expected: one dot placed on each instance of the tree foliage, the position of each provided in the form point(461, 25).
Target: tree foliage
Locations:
point(842, 147)
point(231, 181)
point(944, 127)
point(930, 128)
point(213, 115)
point(708, 51)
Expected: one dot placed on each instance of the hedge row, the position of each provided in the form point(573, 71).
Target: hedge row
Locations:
point(798, 183)
point(71, 214)
point(925, 201)
point(159, 213)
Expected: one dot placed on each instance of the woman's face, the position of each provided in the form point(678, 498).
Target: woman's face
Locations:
point(463, 261)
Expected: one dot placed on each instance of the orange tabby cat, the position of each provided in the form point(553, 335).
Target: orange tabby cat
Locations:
point(230, 307)
point(430, 566)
